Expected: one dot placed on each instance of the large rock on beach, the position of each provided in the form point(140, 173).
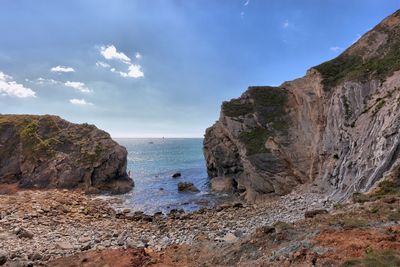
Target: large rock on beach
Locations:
point(187, 187)
point(49, 152)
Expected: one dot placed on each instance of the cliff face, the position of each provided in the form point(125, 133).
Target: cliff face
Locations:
point(336, 128)
point(49, 152)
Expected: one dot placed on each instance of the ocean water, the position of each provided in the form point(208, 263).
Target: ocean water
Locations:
point(153, 161)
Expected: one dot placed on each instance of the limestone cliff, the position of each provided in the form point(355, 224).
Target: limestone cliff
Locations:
point(336, 128)
point(49, 152)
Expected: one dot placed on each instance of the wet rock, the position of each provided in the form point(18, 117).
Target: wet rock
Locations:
point(147, 218)
point(176, 175)
point(158, 213)
point(187, 187)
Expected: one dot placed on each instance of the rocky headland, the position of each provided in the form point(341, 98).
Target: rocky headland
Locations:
point(49, 152)
point(336, 128)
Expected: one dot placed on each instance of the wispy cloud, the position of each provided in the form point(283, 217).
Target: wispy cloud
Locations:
point(138, 55)
point(81, 102)
point(41, 80)
point(62, 69)
point(110, 52)
point(102, 64)
point(286, 24)
point(245, 4)
point(9, 87)
point(335, 49)
point(78, 86)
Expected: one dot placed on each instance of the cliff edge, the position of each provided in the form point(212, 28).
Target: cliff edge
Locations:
point(49, 152)
point(337, 128)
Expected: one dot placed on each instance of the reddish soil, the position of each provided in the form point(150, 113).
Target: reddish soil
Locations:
point(8, 189)
point(110, 258)
point(356, 243)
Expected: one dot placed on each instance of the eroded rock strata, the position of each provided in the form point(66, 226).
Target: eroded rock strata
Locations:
point(336, 128)
point(49, 152)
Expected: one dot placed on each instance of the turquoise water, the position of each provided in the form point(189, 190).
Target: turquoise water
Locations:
point(153, 161)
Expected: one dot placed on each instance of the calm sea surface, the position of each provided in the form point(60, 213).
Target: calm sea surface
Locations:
point(153, 161)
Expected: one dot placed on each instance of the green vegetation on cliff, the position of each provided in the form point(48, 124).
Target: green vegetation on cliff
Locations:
point(236, 108)
point(40, 135)
point(255, 140)
point(356, 65)
point(268, 104)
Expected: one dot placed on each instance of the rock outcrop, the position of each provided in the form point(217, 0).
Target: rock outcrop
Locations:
point(336, 128)
point(49, 152)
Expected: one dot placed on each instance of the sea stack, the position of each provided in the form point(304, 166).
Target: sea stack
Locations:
point(49, 152)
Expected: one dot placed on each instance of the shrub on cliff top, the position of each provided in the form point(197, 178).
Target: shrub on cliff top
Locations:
point(236, 108)
point(356, 67)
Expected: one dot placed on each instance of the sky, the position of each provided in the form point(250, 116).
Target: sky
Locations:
point(163, 67)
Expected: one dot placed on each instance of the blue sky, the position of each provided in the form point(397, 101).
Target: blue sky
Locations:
point(163, 67)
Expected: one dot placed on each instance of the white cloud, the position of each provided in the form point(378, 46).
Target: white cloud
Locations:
point(110, 52)
point(78, 86)
point(335, 49)
point(134, 71)
point(41, 80)
point(102, 64)
point(246, 3)
point(81, 102)
point(11, 88)
point(285, 24)
point(62, 69)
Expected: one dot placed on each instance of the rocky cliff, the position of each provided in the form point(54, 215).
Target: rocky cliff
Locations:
point(49, 152)
point(337, 128)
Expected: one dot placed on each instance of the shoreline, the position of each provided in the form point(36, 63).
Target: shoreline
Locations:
point(61, 223)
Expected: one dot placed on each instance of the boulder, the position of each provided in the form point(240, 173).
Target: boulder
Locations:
point(49, 152)
point(23, 233)
point(176, 175)
point(187, 187)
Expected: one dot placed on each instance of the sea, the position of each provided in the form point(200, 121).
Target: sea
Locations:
point(153, 161)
